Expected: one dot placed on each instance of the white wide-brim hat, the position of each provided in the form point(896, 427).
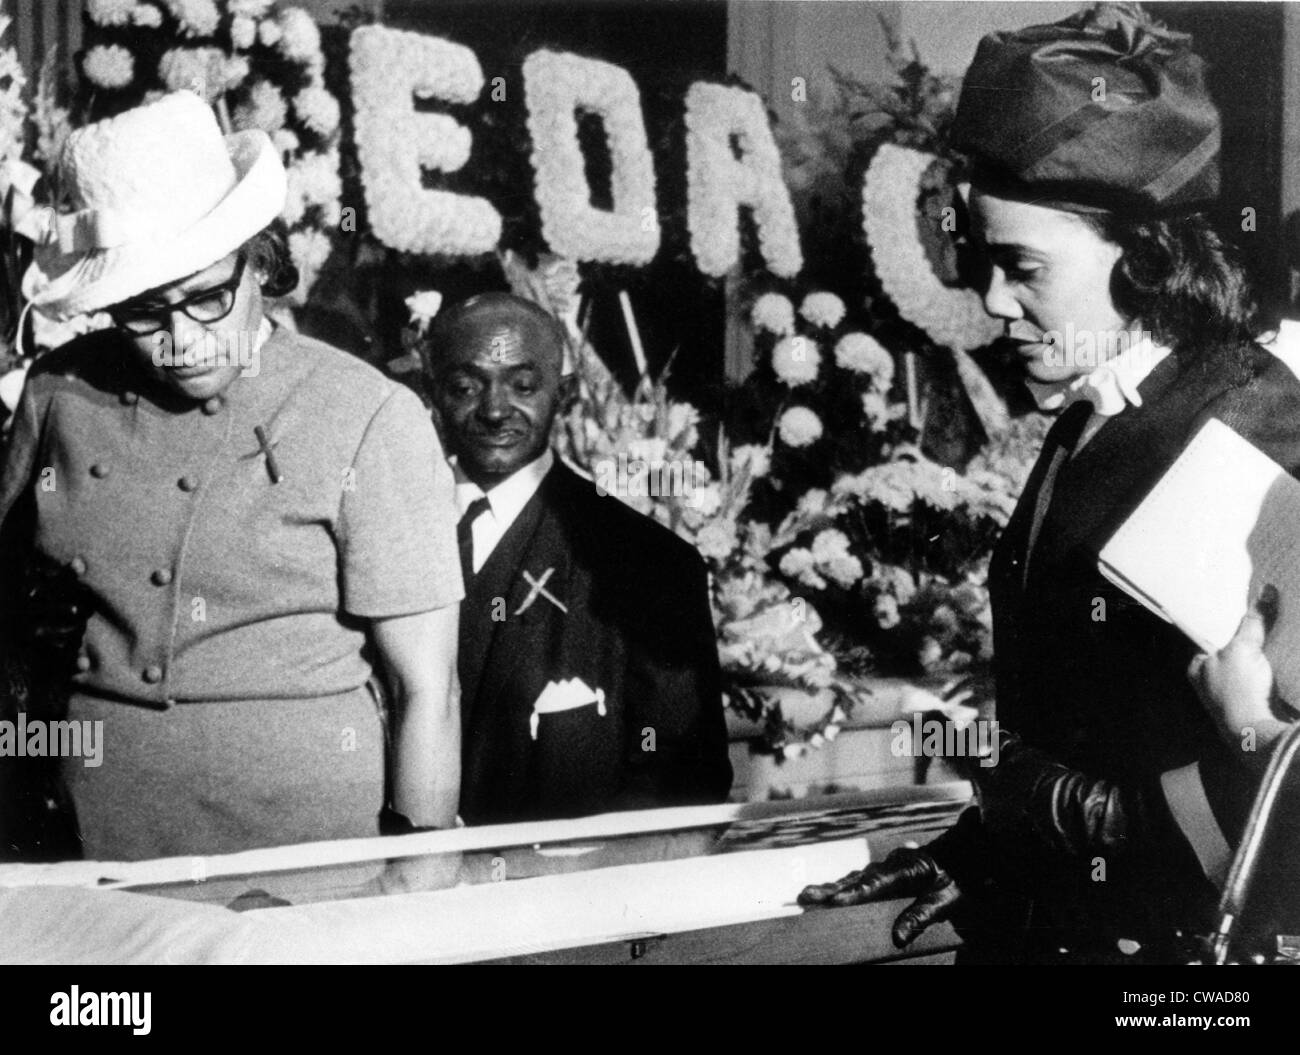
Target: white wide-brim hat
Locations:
point(160, 193)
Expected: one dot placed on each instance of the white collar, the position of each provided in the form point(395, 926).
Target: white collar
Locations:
point(507, 499)
point(1111, 387)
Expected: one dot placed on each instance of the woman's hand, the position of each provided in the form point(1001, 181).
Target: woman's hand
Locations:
point(1236, 683)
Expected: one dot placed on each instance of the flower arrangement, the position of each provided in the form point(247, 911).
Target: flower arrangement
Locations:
point(259, 64)
point(768, 638)
point(556, 85)
point(717, 182)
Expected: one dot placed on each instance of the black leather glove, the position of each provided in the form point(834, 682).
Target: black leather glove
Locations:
point(1029, 796)
point(906, 872)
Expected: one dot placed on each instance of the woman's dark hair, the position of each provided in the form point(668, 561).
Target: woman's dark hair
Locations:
point(267, 252)
point(1181, 279)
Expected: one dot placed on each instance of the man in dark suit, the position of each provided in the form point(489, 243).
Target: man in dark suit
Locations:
point(588, 662)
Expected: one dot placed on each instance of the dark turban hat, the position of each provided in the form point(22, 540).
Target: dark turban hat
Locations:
point(1104, 111)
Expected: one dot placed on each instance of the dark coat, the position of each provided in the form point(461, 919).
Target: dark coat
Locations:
point(1094, 681)
point(638, 627)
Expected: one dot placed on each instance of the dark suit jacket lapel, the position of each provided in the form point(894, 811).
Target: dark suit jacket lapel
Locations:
point(535, 630)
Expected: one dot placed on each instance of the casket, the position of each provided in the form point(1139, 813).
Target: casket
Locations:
point(709, 884)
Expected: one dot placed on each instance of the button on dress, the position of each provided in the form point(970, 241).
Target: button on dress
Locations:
point(231, 609)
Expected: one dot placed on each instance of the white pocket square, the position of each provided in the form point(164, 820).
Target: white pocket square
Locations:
point(565, 696)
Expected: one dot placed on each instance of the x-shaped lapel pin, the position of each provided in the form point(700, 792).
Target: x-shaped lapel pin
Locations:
point(537, 588)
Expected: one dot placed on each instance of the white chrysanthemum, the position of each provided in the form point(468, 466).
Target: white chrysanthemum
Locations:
point(269, 33)
point(813, 502)
point(264, 108)
point(249, 8)
point(717, 539)
point(886, 611)
point(682, 420)
point(822, 309)
point(146, 16)
point(299, 35)
point(210, 72)
point(310, 249)
point(317, 109)
point(863, 354)
point(108, 66)
point(795, 360)
point(285, 141)
point(798, 427)
point(799, 564)
point(844, 570)
point(757, 458)
point(706, 500)
point(774, 313)
point(243, 32)
point(876, 410)
point(197, 18)
point(110, 12)
point(830, 544)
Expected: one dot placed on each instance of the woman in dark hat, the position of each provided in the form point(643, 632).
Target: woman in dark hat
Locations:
point(1110, 815)
point(259, 523)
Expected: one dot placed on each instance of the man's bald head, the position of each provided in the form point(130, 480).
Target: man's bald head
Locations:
point(495, 361)
point(504, 318)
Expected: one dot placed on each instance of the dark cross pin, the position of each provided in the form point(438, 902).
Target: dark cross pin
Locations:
point(265, 448)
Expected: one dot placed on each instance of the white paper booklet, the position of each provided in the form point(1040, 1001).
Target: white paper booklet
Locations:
point(1222, 522)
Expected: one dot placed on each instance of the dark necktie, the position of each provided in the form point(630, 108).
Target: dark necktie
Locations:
point(465, 536)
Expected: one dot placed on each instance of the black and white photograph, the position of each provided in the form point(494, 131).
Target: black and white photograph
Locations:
point(650, 482)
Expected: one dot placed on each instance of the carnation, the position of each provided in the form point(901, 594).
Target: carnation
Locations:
point(317, 109)
point(243, 32)
point(197, 18)
point(208, 71)
point(299, 36)
point(774, 313)
point(798, 427)
point(799, 564)
point(757, 459)
point(249, 8)
point(269, 33)
point(706, 500)
point(286, 140)
point(813, 502)
point(886, 611)
point(876, 410)
point(844, 570)
point(110, 12)
point(717, 539)
point(108, 66)
point(864, 354)
point(830, 544)
point(423, 306)
point(263, 108)
point(795, 360)
point(822, 309)
point(682, 419)
point(147, 16)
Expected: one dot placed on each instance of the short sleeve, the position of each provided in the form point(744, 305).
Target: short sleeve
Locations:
point(397, 520)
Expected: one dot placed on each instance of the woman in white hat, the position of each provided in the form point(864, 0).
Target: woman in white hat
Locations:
point(254, 515)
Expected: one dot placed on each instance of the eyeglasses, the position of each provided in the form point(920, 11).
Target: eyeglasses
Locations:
point(208, 305)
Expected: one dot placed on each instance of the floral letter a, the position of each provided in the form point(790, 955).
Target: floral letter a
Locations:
point(718, 183)
point(394, 142)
